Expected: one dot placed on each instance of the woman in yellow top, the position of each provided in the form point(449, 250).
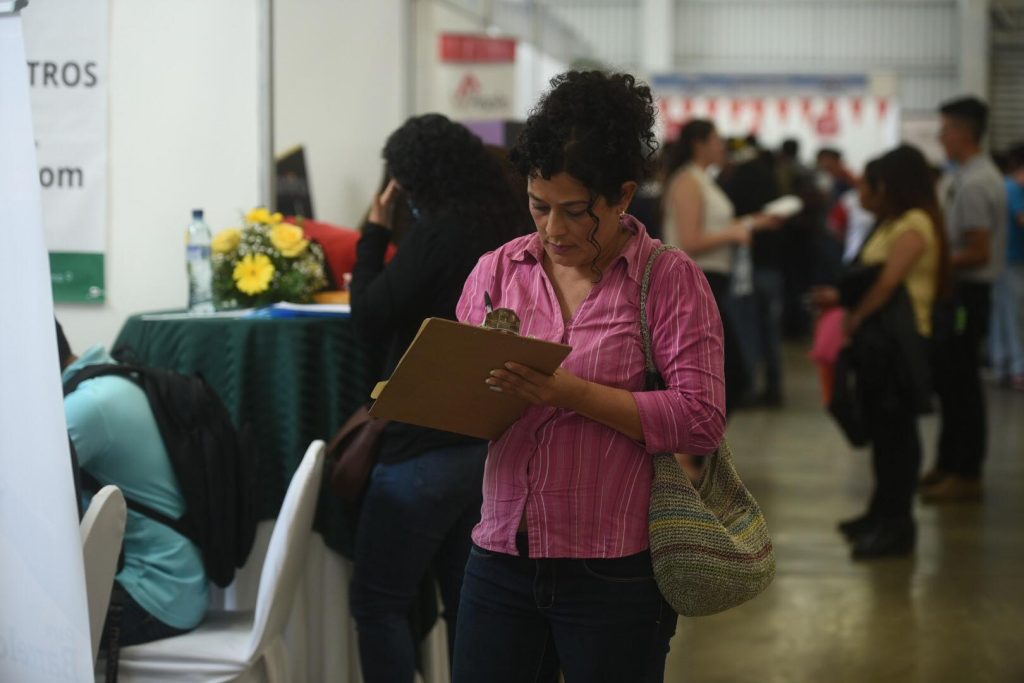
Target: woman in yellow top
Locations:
point(910, 245)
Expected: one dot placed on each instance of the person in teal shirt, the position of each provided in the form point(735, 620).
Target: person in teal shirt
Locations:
point(1006, 336)
point(118, 442)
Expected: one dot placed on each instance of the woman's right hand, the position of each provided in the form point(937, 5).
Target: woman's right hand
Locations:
point(383, 206)
point(824, 297)
point(741, 232)
point(765, 221)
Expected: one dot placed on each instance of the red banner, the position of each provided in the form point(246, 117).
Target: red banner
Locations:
point(857, 104)
point(783, 105)
point(806, 104)
point(463, 48)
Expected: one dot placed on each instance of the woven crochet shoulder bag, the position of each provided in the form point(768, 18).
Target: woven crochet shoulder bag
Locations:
point(709, 542)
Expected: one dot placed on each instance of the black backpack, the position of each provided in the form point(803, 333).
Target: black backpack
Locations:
point(215, 464)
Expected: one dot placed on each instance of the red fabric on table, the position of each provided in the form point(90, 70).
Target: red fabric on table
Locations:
point(339, 245)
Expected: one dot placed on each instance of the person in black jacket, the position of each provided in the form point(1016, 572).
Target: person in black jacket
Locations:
point(424, 494)
point(888, 327)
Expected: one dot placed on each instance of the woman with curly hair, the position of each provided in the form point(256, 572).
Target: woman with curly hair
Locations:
point(423, 496)
point(560, 572)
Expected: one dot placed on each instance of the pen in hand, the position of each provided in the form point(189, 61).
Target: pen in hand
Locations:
point(488, 303)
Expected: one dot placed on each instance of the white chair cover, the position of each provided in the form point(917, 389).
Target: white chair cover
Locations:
point(241, 646)
point(102, 530)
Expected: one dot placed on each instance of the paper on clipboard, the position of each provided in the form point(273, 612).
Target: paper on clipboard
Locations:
point(439, 382)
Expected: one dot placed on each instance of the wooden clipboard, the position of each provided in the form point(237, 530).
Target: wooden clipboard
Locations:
point(439, 382)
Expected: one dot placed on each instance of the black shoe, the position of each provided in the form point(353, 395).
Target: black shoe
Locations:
point(888, 538)
point(771, 399)
point(853, 528)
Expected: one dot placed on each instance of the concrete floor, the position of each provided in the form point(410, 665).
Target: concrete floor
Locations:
point(954, 612)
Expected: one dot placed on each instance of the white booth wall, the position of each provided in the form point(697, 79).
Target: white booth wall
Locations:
point(185, 131)
point(183, 121)
point(340, 88)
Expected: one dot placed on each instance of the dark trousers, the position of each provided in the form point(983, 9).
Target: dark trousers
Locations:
point(522, 619)
point(417, 516)
point(957, 376)
point(769, 293)
point(134, 624)
point(896, 457)
point(737, 378)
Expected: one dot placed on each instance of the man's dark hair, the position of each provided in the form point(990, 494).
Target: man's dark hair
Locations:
point(831, 152)
point(63, 348)
point(1015, 157)
point(970, 111)
point(791, 148)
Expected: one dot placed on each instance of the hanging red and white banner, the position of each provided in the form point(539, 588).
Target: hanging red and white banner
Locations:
point(834, 121)
point(857, 105)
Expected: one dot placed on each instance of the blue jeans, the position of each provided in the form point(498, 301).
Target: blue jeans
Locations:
point(417, 515)
point(1006, 337)
point(522, 619)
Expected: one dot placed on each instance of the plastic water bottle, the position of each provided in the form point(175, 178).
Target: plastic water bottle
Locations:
point(198, 264)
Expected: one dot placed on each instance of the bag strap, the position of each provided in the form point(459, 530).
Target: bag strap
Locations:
point(92, 484)
point(100, 370)
point(654, 379)
point(112, 626)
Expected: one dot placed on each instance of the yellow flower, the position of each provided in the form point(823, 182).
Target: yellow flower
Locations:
point(254, 273)
point(261, 215)
point(226, 241)
point(288, 239)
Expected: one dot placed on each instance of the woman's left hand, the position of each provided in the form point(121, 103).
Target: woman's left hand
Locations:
point(850, 326)
point(383, 206)
point(560, 390)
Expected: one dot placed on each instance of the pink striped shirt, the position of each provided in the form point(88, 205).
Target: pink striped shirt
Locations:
point(585, 487)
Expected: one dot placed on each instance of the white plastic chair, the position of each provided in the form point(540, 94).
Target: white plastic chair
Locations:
point(102, 530)
point(242, 646)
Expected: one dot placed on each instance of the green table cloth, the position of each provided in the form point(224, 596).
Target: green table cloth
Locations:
point(292, 380)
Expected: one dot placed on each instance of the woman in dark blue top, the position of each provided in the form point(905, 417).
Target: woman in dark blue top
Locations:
point(424, 494)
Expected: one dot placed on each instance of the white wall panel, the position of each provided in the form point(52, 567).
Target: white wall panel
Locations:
point(611, 28)
point(917, 40)
point(339, 91)
point(184, 133)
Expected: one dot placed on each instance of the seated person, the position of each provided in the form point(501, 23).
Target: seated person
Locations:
point(162, 585)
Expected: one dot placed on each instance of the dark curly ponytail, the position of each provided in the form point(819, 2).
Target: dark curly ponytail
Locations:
point(596, 127)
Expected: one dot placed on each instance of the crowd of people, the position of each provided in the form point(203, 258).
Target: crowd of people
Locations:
point(538, 546)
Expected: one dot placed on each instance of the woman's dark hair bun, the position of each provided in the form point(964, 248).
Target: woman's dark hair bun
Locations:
point(595, 126)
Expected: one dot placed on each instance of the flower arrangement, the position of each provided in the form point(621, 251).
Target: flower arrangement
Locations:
point(265, 261)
